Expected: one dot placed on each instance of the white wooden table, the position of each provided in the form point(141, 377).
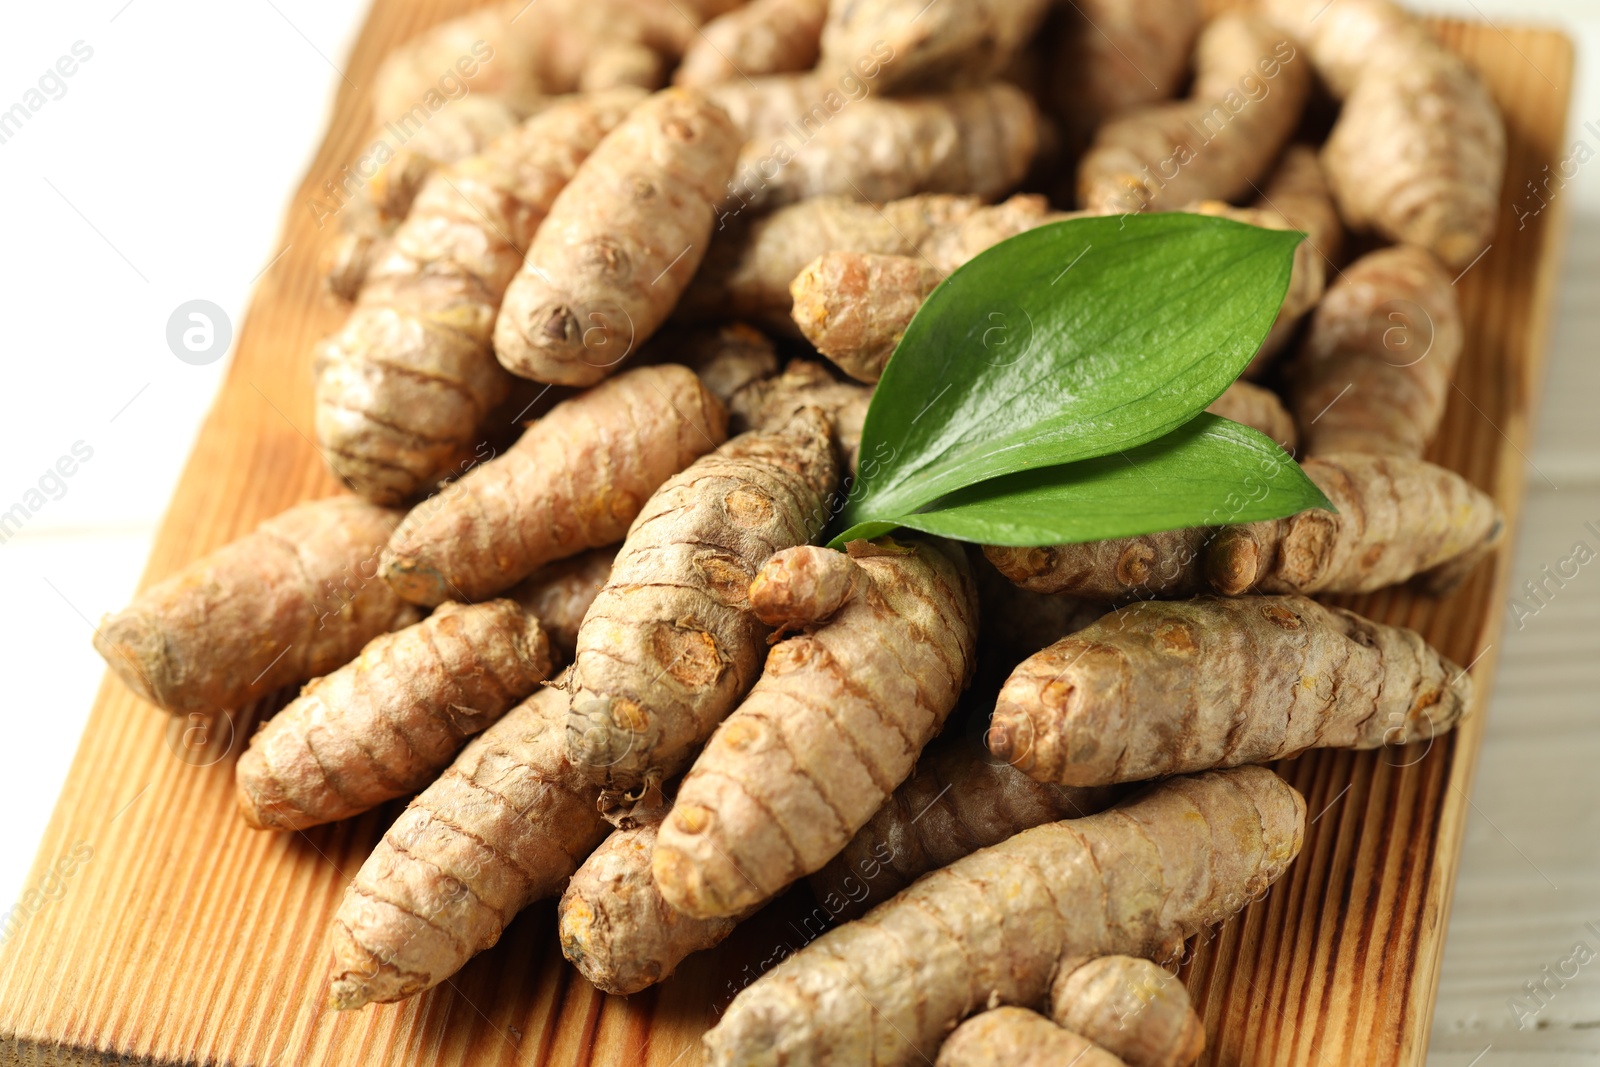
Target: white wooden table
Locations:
point(1530, 868)
point(136, 189)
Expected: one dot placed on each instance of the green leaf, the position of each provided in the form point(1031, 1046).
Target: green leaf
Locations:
point(1071, 341)
point(1207, 473)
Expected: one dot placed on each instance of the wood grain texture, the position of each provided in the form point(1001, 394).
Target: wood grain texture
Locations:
point(167, 932)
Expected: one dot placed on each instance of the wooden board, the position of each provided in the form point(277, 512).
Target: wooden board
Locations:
point(167, 932)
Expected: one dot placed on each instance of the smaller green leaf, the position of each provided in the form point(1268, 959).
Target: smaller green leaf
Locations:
point(1209, 472)
point(864, 531)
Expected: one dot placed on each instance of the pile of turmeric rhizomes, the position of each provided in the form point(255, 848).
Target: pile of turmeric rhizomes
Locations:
point(612, 658)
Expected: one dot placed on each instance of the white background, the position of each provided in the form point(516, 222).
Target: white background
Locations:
point(161, 175)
